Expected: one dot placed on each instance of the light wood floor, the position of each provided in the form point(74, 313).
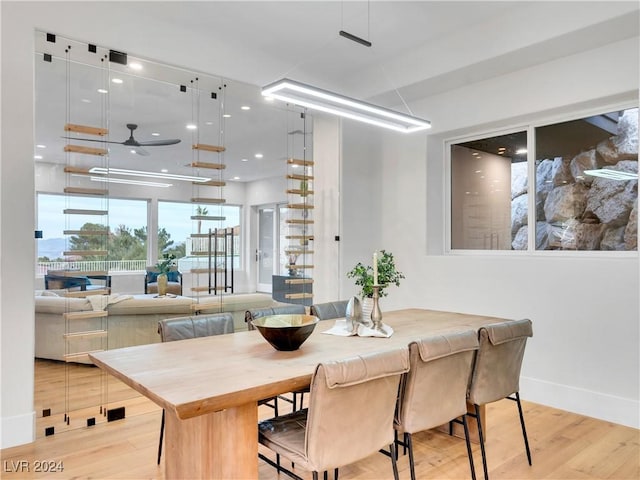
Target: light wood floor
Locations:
point(564, 446)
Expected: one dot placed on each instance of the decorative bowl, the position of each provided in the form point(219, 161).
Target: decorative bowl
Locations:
point(286, 332)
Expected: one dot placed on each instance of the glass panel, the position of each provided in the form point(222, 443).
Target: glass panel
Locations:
point(265, 248)
point(587, 183)
point(489, 193)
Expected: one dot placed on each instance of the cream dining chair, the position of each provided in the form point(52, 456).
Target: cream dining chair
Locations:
point(182, 328)
point(496, 373)
point(350, 415)
point(434, 391)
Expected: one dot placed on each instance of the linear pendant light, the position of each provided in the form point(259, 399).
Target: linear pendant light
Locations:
point(142, 173)
point(325, 101)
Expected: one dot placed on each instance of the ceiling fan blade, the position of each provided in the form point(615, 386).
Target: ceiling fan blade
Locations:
point(92, 140)
point(140, 151)
point(156, 143)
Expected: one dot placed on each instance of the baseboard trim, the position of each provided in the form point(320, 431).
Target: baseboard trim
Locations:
point(17, 430)
point(623, 411)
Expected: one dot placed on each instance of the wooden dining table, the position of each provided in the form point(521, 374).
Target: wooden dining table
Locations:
point(209, 387)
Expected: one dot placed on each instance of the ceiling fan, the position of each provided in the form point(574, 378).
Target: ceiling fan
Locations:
point(136, 146)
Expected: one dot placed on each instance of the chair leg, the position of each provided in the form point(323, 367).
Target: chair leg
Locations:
point(394, 464)
point(482, 449)
point(524, 430)
point(335, 474)
point(408, 440)
point(469, 452)
point(325, 475)
point(315, 475)
point(161, 436)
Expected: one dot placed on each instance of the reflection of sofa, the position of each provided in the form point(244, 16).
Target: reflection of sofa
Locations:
point(132, 321)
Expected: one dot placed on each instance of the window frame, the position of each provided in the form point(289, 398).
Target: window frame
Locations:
point(530, 128)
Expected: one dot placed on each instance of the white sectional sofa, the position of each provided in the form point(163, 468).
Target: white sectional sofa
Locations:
point(133, 320)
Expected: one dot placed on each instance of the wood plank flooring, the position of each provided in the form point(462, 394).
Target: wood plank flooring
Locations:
point(564, 446)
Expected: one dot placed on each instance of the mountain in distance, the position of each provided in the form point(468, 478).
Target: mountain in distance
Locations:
point(51, 247)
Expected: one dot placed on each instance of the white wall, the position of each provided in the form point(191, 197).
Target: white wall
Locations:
point(584, 356)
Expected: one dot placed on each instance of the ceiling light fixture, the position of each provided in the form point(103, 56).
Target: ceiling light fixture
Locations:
point(612, 174)
point(117, 80)
point(135, 66)
point(130, 182)
point(325, 101)
point(245, 107)
point(258, 155)
point(102, 90)
point(191, 126)
point(142, 173)
point(521, 151)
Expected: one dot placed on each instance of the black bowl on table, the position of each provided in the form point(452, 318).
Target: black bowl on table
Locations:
point(286, 332)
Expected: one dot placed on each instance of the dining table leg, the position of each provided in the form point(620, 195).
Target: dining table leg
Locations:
point(217, 445)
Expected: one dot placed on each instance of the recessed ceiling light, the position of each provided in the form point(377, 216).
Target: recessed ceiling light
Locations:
point(41, 146)
point(269, 99)
point(475, 153)
point(208, 123)
point(478, 171)
point(227, 115)
point(132, 151)
point(245, 160)
point(102, 90)
point(236, 178)
point(502, 148)
point(521, 151)
point(116, 80)
point(155, 134)
point(164, 170)
point(191, 126)
point(85, 100)
point(258, 155)
point(245, 107)
point(38, 157)
point(135, 66)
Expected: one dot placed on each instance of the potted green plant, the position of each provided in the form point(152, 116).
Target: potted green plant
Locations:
point(164, 267)
point(387, 275)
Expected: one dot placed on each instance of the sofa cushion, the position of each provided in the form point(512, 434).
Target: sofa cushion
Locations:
point(172, 276)
point(144, 304)
point(50, 304)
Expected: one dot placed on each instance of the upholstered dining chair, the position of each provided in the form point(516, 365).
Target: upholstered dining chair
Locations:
point(350, 415)
point(329, 310)
point(182, 328)
point(434, 391)
point(496, 373)
point(279, 310)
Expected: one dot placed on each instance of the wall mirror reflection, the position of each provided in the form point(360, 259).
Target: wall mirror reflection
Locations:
point(141, 166)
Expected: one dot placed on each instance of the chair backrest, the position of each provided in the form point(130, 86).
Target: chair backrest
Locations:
point(181, 328)
point(264, 312)
point(351, 408)
point(496, 372)
point(434, 391)
point(152, 274)
point(326, 311)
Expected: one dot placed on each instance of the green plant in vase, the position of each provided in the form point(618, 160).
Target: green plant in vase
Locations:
point(387, 275)
point(164, 267)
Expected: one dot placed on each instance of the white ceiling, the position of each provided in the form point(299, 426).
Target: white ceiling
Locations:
point(420, 48)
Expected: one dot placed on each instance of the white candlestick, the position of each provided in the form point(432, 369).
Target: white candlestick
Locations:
point(375, 268)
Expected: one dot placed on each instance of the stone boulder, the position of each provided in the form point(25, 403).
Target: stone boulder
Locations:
point(519, 179)
point(544, 184)
point(588, 236)
point(581, 162)
point(631, 231)
point(520, 240)
point(519, 209)
point(612, 200)
point(542, 235)
point(562, 235)
point(623, 146)
point(613, 239)
point(566, 202)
